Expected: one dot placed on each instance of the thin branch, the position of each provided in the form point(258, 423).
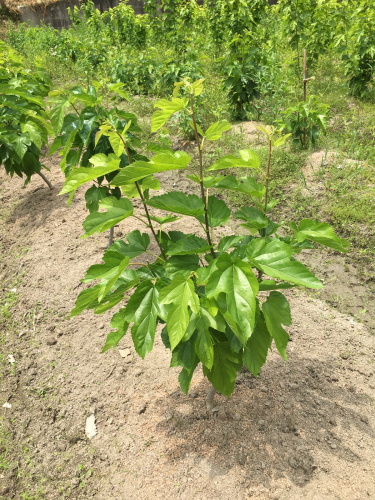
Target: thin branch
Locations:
point(207, 229)
point(45, 180)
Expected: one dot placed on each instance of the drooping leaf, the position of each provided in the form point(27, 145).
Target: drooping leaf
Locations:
point(204, 345)
point(207, 181)
point(116, 143)
point(131, 190)
point(268, 285)
point(237, 281)
point(276, 312)
point(184, 354)
point(111, 278)
point(178, 203)
point(119, 322)
point(117, 210)
point(320, 232)
point(225, 367)
point(189, 245)
point(253, 218)
point(181, 294)
point(57, 115)
point(256, 349)
point(246, 185)
point(79, 176)
point(143, 309)
point(20, 145)
point(274, 259)
point(186, 376)
point(248, 159)
point(217, 211)
point(84, 299)
point(93, 196)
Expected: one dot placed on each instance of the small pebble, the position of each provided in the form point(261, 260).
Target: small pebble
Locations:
point(101, 326)
point(364, 419)
point(261, 422)
point(333, 446)
point(138, 372)
point(51, 341)
point(264, 389)
point(193, 394)
point(333, 421)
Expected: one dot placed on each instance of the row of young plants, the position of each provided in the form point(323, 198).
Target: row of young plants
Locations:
point(150, 53)
point(219, 300)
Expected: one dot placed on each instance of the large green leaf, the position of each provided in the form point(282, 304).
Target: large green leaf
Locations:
point(248, 159)
point(246, 185)
point(186, 375)
point(276, 312)
point(93, 195)
point(256, 349)
point(216, 130)
point(109, 282)
point(143, 309)
point(207, 181)
point(178, 203)
point(181, 294)
point(274, 259)
point(131, 190)
point(225, 367)
point(116, 142)
point(228, 242)
point(102, 165)
point(184, 354)
point(119, 322)
point(168, 108)
point(117, 210)
point(84, 299)
point(217, 211)
point(189, 245)
point(33, 132)
point(320, 232)
point(159, 163)
point(20, 144)
point(237, 281)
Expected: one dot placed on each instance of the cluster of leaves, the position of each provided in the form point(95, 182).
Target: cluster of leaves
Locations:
point(220, 302)
point(24, 126)
point(305, 120)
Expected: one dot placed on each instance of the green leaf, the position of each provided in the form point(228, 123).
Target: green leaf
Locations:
point(237, 281)
point(182, 265)
point(320, 232)
point(165, 220)
point(181, 294)
point(117, 210)
point(207, 181)
point(184, 354)
point(280, 141)
point(119, 322)
point(20, 145)
point(189, 245)
point(143, 309)
point(159, 163)
point(92, 196)
point(57, 115)
point(228, 242)
point(84, 299)
point(225, 367)
point(137, 244)
point(248, 159)
point(216, 130)
point(185, 376)
point(81, 175)
point(108, 283)
point(168, 108)
point(34, 133)
point(276, 312)
point(267, 285)
point(254, 218)
point(198, 86)
point(217, 211)
point(178, 203)
point(116, 143)
point(256, 349)
point(119, 89)
point(205, 321)
point(131, 191)
point(274, 259)
point(246, 185)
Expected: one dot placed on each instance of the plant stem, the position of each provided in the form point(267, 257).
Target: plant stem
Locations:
point(110, 239)
point(267, 176)
point(207, 229)
point(304, 90)
point(45, 180)
point(143, 200)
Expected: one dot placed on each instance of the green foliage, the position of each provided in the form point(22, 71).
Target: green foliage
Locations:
point(24, 124)
point(204, 291)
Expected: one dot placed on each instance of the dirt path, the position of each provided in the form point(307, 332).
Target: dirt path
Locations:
point(303, 429)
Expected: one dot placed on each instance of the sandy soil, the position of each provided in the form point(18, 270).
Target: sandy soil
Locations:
point(302, 430)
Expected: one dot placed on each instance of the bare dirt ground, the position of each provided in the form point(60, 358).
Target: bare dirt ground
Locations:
point(303, 430)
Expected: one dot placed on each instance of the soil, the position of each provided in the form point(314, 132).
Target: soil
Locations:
point(302, 429)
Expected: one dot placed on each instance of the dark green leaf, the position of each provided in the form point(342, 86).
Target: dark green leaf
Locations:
point(189, 245)
point(228, 242)
point(178, 203)
point(119, 322)
point(276, 312)
point(182, 265)
point(217, 211)
point(117, 210)
point(225, 367)
point(256, 349)
point(319, 232)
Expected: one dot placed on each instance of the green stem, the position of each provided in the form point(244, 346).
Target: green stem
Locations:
point(207, 229)
point(143, 199)
point(268, 176)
